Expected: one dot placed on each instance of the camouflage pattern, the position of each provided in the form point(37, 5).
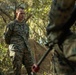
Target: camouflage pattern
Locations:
point(19, 46)
point(59, 65)
point(61, 11)
point(59, 14)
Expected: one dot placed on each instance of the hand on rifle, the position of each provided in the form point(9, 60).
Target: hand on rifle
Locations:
point(35, 68)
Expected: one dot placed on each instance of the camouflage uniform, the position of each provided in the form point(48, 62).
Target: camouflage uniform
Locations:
point(59, 14)
point(68, 52)
point(64, 54)
point(19, 47)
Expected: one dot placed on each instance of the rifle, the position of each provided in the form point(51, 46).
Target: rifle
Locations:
point(36, 67)
point(64, 27)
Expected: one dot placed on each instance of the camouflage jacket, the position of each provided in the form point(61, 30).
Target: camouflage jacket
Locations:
point(68, 48)
point(68, 52)
point(60, 12)
point(19, 33)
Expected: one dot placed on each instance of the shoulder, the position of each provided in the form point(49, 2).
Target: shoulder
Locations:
point(10, 23)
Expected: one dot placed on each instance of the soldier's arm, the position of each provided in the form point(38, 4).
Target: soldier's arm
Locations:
point(65, 26)
point(8, 30)
point(57, 8)
point(71, 53)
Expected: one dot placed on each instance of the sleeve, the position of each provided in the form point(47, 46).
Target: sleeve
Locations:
point(8, 33)
point(72, 52)
point(61, 16)
point(8, 29)
point(69, 48)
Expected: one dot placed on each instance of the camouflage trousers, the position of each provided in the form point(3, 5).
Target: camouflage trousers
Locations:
point(18, 58)
point(61, 68)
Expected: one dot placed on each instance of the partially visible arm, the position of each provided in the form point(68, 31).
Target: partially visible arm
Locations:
point(8, 29)
point(65, 26)
point(8, 33)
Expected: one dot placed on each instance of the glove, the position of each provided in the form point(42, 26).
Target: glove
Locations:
point(35, 68)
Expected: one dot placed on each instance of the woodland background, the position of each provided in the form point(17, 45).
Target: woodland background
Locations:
point(37, 12)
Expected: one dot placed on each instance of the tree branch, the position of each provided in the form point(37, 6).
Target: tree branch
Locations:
point(5, 13)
